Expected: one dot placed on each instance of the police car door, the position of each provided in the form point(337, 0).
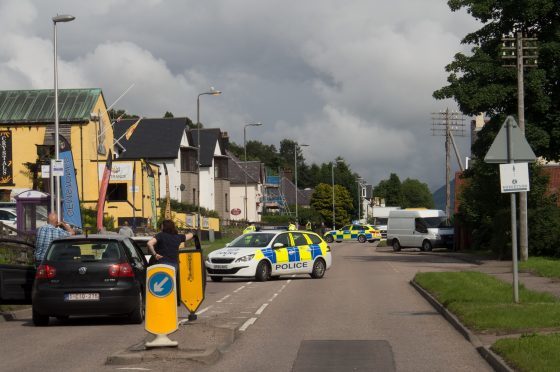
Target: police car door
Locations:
point(281, 244)
point(300, 255)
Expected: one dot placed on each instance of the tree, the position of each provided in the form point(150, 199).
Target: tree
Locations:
point(416, 194)
point(479, 83)
point(168, 114)
point(390, 190)
point(321, 201)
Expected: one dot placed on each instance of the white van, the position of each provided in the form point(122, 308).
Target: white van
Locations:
point(424, 229)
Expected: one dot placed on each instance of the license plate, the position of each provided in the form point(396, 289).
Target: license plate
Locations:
point(220, 266)
point(81, 297)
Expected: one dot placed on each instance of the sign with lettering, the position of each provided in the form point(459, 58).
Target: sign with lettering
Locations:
point(6, 164)
point(514, 177)
point(119, 171)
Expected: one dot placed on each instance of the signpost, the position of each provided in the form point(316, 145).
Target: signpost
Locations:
point(511, 147)
point(57, 167)
point(161, 304)
point(193, 273)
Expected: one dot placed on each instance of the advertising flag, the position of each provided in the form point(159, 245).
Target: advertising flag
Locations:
point(131, 129)
point(167, 195)
point(103, 190)
point(69, 186)
point(151, 181)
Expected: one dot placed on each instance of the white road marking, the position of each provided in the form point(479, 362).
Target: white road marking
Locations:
point(223, 298)
point(261, 309)
point(203, 310)
point(238, 289)
point(273, 297)
point(134, 369)
point(248, 282)
point(247, 324)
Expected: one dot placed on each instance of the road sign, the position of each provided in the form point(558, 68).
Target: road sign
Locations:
point(514, 177)
point(45, 171)
point(191, 267)
point(161, 299)
point(57, 167)
point(520, 149)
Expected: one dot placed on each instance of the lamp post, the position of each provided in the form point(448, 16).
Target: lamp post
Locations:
point(245, 149)
point(359, 182)
point(58, 18)
point(211, 92)
point(295, 172)
point(332, 175)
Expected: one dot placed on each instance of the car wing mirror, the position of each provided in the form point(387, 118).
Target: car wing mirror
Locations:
point(228, 244)
point(278, 245)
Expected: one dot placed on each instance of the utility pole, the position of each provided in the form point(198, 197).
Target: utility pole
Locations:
point(514, 48)
point(446, 123)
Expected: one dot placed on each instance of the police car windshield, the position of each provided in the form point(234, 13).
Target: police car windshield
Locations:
point(252, 240)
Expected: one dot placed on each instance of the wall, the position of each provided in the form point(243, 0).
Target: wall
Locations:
point(190, 180)
point(222, 187)
point(237, 195)
point(207, 187)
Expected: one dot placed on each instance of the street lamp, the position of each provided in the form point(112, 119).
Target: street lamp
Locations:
point(58, 18)
point(332, 175)
point(359, 182)
point(245, 148)
point(295, 171)
point(211, 92)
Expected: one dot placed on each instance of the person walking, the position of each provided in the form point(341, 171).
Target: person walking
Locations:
point(164, 246)
point(49, 232)
point(126, 230)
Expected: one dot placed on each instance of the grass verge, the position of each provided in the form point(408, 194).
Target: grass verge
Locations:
point(484, 303)
point(542, 266)
point(531, 352)
point(208, 247)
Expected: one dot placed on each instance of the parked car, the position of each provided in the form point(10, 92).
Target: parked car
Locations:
point(90, 275)
point(8, 217)
point(424, 229)
point(269, 254)
point(360, 233)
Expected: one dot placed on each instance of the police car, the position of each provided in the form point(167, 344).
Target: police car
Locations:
point(268, 254)
point(361, 233)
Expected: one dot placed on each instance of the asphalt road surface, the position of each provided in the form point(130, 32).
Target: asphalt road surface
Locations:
point(362, 316)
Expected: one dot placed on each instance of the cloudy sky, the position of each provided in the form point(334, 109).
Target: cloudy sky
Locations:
point(349, 78)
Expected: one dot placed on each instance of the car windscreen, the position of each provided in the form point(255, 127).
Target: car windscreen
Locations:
point(85, 251)
point(433, 222)
point(252, 240)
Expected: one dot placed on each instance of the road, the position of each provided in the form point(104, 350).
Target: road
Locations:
point(362, 313)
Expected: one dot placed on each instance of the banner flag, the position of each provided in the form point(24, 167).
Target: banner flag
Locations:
point(131, 129)
point(151, 181)
point(167, 195)
point(69, 186)
point(103, 190)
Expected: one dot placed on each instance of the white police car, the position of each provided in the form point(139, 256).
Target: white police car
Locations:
point(269, 254)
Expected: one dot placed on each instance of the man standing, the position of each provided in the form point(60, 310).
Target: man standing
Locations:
point(49, 232)
point(126, 230)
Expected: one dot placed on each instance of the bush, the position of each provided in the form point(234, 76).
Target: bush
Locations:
point(89, 219)
point(544, 231)
point(181, 207)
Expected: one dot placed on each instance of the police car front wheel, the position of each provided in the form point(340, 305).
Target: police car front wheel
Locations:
point(263, 272)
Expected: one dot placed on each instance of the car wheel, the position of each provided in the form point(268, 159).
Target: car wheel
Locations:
point(329, 239)
point(137, 315)
point(396, 245)
point(319, 268)
point(426, 246)
point(40, 320)
point(263, 272)
point(362, 238)
point(216, 278)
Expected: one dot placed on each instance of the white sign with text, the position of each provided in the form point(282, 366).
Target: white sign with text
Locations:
point(514, 177)
point(119, 171)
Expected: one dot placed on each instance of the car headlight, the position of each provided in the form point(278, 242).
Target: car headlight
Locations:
point(207, 258)
point(249, 257)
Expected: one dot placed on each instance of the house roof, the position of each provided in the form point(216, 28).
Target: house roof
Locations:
point(236, 171)
point(289, 191)
point(209, 137)
point(152, 139)
point(37, 106)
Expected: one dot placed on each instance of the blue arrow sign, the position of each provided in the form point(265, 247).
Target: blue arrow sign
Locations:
point(160, 284)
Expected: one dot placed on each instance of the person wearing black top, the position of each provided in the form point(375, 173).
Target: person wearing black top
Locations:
point(165, 245)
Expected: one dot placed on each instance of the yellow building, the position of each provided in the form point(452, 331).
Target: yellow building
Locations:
point(27, 142)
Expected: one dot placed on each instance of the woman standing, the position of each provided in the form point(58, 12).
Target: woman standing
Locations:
point(165, 245)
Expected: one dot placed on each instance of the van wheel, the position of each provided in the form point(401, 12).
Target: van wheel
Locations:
point(40, 320)
point(426, 246)
point(362, 238)
point(396, 245)
point(263, 272)
point(318, 269)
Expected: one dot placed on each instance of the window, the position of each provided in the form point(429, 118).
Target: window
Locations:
point(315, 239)
point(117, 192)
point(283, 239)
point(92, 250)
point(188, 160)
point(220, 168)
point(133, 252)
point(346, 227)
point(299, 239)
point(420, 225)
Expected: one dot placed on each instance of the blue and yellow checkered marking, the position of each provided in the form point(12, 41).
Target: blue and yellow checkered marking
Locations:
point(347, 235)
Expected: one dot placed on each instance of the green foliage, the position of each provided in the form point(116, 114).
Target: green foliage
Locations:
point(89, 219)
point(416, 194)
point(321, 201)
point(276, 219)
point(181, 207)
point(114, 114)
point(168, 114)
point(390, 190)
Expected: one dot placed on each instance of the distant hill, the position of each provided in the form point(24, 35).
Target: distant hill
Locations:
point(439, 197)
